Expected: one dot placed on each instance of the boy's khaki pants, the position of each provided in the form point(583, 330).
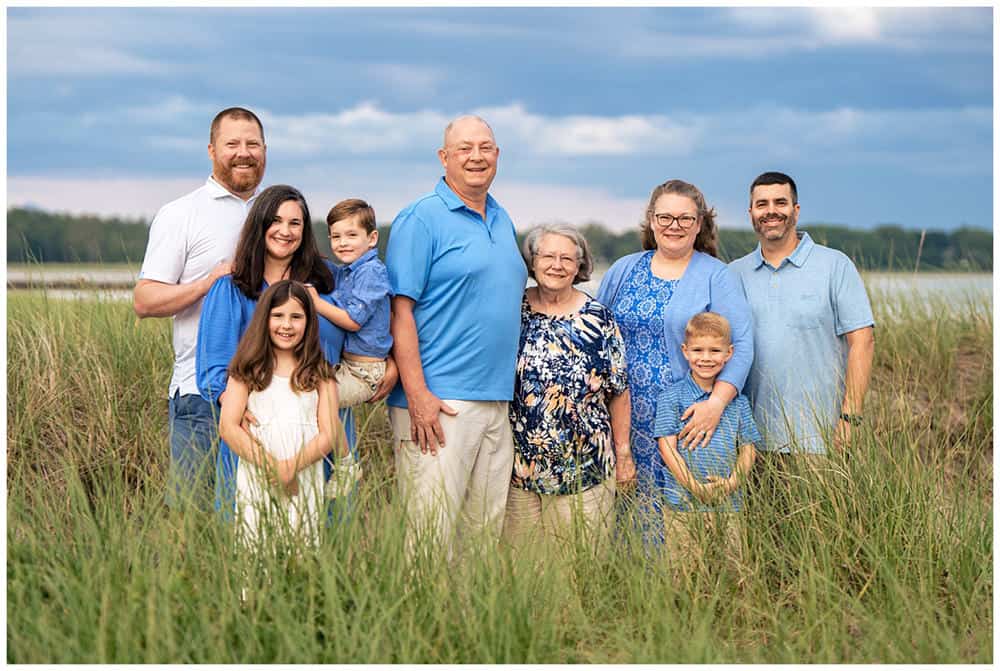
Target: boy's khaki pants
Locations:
point(357, 381)
point(688, 534)
point(458, 496)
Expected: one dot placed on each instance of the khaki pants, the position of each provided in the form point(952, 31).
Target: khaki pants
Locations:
point(357, 381)
point(457, 496)
point(530, 517)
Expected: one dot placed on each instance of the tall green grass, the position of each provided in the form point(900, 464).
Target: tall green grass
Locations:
point(885, 556)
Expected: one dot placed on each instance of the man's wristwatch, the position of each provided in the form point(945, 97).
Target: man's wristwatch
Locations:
point(853, 420)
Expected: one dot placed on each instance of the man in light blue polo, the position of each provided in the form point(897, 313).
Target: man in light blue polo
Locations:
point(457, 279)
point(813, 328)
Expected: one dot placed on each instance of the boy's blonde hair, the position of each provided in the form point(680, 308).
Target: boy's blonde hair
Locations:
point(708, 324)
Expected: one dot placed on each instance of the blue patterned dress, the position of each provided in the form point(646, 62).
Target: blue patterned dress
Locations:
point(639, 309)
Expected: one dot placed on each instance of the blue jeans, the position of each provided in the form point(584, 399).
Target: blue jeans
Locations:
point(194, 434)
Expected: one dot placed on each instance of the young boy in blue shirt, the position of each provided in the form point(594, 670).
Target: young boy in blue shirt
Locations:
point(707, 479)
point(361, 301)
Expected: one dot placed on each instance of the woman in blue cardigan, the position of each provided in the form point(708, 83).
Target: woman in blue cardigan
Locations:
point(653, 294)
point(276, 243)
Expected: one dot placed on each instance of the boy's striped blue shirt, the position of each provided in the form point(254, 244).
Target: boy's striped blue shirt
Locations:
point(736, 428)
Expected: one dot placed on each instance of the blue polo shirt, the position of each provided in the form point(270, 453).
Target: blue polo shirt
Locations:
point(801, 311)
point(466, 277)
point(736, 428)
point(363, 292)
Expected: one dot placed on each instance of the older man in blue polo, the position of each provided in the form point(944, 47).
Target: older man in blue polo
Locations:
point(457, 279)
point(813, 328)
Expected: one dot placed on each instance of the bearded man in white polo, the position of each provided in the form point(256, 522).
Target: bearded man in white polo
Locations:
point(457, 278)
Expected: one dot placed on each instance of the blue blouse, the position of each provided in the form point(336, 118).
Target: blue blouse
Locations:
point(225, 315)
point(707, 285)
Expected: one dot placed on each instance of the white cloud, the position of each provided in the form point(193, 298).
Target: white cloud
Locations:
point(368, 129)
point(172, 109)
point(84, 42)
point(406, 80)
point(363, 129)
point(773, 30)
point(78, 60)
point(322, 154)
point(846, 24)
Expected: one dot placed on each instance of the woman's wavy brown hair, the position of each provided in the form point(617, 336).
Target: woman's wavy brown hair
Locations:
point(248, 263)
point(707, 240)
point(253, 363)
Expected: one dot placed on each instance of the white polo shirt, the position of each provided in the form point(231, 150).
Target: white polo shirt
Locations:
point(187, 238)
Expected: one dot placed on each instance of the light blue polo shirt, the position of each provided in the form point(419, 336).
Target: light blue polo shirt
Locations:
point(736, 428)
point(801, 311)
point(467, 278)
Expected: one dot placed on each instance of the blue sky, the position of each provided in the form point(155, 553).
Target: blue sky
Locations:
point(881, 115)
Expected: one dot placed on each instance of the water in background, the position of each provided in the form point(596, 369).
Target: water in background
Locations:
point(957, 288)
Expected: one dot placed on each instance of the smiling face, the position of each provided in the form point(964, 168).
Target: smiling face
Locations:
point(349, 239)
point(469, 157)
point(287, 324)
point(238, 156)
point(706, 355)
point(556, 262)
point(284, 235)
point(774, 213)
point(673, 239)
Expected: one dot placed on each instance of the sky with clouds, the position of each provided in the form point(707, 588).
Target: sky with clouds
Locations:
point(881, 115)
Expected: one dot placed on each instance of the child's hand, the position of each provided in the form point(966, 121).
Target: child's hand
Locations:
point(313, 294)
point(388, 381)
point(727, 485)
point(712, 492)
point(288, 476)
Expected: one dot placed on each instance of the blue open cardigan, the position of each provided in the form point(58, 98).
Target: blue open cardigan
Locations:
point(707, 285)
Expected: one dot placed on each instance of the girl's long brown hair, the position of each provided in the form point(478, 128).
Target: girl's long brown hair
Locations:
point(253, 363)
point(248, 262)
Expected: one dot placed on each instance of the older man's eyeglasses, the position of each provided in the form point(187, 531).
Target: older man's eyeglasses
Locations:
point(685, 221)
point(553, 259)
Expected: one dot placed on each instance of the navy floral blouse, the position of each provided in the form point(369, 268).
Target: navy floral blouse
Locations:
point(568, 368)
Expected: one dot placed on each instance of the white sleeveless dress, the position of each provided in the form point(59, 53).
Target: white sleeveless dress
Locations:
point(287, 422)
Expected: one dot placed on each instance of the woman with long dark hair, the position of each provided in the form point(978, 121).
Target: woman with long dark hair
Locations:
point(276, 244)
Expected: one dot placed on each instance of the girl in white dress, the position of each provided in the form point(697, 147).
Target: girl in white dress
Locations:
point(280, 376)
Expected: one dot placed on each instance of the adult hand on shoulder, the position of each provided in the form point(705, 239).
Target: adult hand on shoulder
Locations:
point(425, 428)
point(704, 418)
point(221, 269)
point(387, 382)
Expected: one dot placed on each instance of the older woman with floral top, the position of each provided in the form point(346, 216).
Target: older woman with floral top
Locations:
point(570, 413)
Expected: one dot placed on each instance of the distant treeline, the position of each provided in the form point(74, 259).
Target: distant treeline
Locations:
point(45, 237)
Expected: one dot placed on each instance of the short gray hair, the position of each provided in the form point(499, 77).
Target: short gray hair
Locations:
point(530, 247)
